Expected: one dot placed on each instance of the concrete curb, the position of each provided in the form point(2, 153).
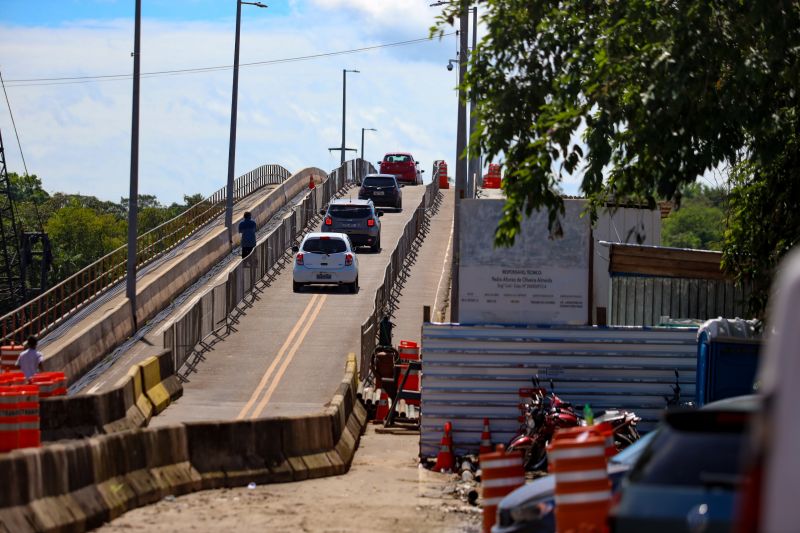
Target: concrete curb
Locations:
point(78, 485)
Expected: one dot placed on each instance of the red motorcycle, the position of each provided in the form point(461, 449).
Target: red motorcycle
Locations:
point(544, 413)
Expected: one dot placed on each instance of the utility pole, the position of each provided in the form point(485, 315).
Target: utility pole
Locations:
point(461, 163)
point(343, 149)
point(133, 198)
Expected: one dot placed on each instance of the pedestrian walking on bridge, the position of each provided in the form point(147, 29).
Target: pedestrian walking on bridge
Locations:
point(247, 228)
point(30, 360)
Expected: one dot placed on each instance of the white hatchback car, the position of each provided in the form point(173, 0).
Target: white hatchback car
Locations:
point(325, 258)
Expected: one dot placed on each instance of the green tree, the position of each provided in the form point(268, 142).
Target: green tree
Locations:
point(80, 236)
point(639, 98)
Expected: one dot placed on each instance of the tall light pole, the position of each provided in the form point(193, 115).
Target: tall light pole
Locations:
point(343, 148)
point(133, 198)
point(234, 105)
point(362, 140)
point(461, 164)
point(474, 155)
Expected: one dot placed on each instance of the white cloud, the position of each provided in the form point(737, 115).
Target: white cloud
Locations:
point(76, 137)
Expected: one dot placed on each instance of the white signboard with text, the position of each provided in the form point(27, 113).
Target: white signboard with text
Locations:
point(540, 280)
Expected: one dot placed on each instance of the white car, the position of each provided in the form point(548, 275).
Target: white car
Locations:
point(325, 258)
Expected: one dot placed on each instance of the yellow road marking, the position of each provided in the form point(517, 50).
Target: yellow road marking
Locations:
point(271, 369)
point(288, 359)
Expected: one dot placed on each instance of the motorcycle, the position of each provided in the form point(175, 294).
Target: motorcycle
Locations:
point(544, 413)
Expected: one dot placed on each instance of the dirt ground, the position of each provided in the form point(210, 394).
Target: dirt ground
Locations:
point(384, 490)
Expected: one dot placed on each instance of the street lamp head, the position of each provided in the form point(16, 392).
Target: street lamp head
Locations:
point(348, 70)
point(257, 4)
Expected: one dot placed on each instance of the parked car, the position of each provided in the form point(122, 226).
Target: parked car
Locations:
point(358, 219)
point(531, 507)
point(325, 258)
point(403, 166)
point(382, 189)
point(688, 478)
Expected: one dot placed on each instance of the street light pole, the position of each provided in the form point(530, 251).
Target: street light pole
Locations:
point(474, 154)
point(362, 140)
point(344, 109)
point(234, 109)
point(133, 198)
point(461, 164)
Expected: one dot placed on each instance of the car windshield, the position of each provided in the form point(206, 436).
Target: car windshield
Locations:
point(691, 458)
point(378, 182)
point(397, 158)
point(324, 245)
point(349, 211)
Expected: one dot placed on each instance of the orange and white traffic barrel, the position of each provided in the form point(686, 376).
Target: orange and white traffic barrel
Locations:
point(9, 355)
point(583, 489)
point(502, 473)
point(444, 182)
point(28, 416)
point(9, 430)
point(409, 352)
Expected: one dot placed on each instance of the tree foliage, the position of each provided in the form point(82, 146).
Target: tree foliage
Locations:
point(700, 220)
point(637, 98)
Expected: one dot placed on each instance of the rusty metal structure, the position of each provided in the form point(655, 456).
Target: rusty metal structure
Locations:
point(12, 284)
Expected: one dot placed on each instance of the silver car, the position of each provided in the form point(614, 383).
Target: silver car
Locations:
point(325, 258)
point(358, 219)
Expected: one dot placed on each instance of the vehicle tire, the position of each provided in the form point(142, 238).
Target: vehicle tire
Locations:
point(399, 205)
point(376, 248)
point(354, 286)
point(296, 286)
point(536, 458)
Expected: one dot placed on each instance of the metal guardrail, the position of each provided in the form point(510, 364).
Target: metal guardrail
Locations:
point(45, 312)
point(472, 372)
point(384, 296)
point(189, 335)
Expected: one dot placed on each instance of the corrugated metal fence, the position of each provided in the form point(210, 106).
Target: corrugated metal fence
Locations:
point(212, 310)
point(472, 372)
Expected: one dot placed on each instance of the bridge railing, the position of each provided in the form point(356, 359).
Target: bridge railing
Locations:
point(48, 310)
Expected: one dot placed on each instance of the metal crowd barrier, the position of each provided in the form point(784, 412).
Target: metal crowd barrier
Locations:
point(383, 296)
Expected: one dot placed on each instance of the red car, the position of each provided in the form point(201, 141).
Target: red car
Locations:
point(403, 166)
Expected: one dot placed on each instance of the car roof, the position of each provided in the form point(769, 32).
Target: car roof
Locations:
point(398, 153)
point(380, 176)
point(748, 403)
point(325, 234)
point(348, 201)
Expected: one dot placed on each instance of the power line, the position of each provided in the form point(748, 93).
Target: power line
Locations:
point(13, 123)
point(34, 82)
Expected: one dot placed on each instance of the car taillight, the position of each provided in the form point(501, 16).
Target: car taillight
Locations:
point(348, 259)
point(328, 221)
point(370, 222)
point(300, 258)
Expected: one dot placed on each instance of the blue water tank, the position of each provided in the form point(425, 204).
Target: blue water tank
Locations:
point(727, 359)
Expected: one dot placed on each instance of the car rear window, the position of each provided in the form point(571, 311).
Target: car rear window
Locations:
point(691, 458)
point(397, 158)
point(349, 211)
point(324, 246)
point(379, 182)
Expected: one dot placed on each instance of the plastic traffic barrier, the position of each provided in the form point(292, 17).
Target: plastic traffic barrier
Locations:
point(583, 490)
point(502, 473)
point(444, 183)
point(28, 416)
point(9, 355)
point(9, 423)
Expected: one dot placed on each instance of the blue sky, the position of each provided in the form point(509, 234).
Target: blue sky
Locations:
point(76, 136)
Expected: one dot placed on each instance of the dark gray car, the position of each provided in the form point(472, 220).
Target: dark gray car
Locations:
point(382, 189)
point(358, 219)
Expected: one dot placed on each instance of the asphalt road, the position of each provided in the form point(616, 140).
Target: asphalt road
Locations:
point(288, 355)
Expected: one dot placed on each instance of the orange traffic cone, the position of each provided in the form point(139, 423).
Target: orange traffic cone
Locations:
point(444, 459)
point(486, 438)
point(311, 184)
point(383, 408)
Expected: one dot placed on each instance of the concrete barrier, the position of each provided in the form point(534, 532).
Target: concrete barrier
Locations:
point(159, 382)
point(80, 484)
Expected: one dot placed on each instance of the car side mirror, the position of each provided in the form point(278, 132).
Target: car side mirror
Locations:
point(401, 186)
point(295, 249)
point(421, 171)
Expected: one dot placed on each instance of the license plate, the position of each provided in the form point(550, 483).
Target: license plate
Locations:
point(378, 193)
point(324, 275)
point(349, 225)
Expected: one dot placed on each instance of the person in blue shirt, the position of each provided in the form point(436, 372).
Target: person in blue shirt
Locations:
point(247, 228)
